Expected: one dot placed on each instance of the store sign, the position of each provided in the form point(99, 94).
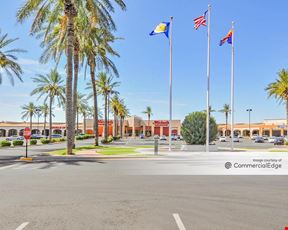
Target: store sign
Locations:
point(101, 122)
point(161, 123)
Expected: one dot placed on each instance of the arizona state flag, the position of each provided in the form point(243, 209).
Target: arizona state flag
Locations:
point(228, 38)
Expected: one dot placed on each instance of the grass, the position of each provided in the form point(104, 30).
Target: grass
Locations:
point(278, 150)
point(104, 150)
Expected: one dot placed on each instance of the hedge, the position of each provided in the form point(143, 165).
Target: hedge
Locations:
point(45, 141)
point(18, 142)
point(33, 142)
point(5, 143)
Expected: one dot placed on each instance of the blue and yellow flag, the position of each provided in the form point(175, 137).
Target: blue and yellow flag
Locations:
point(163, 27)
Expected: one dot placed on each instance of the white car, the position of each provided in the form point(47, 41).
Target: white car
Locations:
point(235, 139)
point(222, 139)
point(265, 137)
point(254, 136)
point(271, 140)
point(163, 138)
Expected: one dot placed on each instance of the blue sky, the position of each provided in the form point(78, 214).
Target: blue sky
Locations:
point(261, 50)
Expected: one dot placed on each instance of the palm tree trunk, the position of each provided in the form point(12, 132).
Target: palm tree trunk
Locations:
point(287, 117)
point(50, 117)
point(95, 103)
point(75, 84)
point(31, 115)
point(105, 118)
point(115, 126)
point(77, 117)
point(226, 116)
point(84, 123)
point(121, 127)
point(45, 117)
point(70, 12)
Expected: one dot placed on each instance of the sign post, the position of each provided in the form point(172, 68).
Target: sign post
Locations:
point(27, 136)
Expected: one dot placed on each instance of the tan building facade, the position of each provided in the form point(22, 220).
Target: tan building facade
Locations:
point(270, 127)
point(132, 126)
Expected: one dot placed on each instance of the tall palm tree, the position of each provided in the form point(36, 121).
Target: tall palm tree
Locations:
point(106, 86)
point(51, 86)
point(279, 90)
point(148, 112)
point(123, 112)
point(45, 112)
point(115, 104)
point(46, 17)
point(82, 105)
point(226, 110)
point(29, 111)
point(8, 60)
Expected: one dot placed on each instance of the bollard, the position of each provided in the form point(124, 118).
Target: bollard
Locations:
point(156, 147)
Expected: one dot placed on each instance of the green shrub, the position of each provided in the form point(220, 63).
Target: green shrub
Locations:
point(62, 139)
point(110, 139)
point(79, 138)
point(45, 141)
point(33, 142)
point(193, 129)
point(116, 138)
point(55, 140)
point(5, 143)
point(18, 142)
point(104, 141)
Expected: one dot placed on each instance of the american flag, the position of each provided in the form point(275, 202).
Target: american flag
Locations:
point(200, 21)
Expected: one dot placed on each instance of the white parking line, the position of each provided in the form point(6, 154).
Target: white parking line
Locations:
point(179, 221)
point(22, 226)
point(8, 166)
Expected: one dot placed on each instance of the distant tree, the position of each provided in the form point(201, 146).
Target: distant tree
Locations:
point(29, 111)
point(193, 128)
point(226, 110)
point(8, 60)
point(52, 87)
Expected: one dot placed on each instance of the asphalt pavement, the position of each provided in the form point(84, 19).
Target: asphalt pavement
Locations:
point(114, 194)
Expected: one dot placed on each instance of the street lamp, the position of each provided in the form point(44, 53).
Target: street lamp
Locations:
point(249, 111)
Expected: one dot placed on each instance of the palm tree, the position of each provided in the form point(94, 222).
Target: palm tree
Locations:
point(52, 87)
point(115, 104)
point(279, 90)
point(8, 60)
point(149, 113)
point(45, 112)
point(29, 111)
point(82, 105)
point(106, 86)
point(226, 110)
point(123, 112)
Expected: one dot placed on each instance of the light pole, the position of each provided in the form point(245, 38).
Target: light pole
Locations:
point(249, 111)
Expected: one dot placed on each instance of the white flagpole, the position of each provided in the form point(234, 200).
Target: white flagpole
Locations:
point(170, 85)
point(232, 90)
point(208, 83)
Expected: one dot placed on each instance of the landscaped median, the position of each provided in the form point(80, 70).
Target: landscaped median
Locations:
point(103, 150)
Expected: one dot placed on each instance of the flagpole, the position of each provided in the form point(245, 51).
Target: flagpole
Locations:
point(232, 90)
point(208, 84)
point(170, 85)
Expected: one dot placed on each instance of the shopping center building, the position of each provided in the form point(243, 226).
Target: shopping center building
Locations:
point(270, 127)
point(132, 126)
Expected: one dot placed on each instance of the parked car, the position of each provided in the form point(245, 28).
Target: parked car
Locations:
point(239, 136)
point(141, 136)
point(279, 141)
point(222, 139)
point(56, 136)
point(271, 139)
point(254, 136)
point(265, 137)
point(236, 139)
point(179, 137)
point(163, 138)
point(156, 137)
point(259, 140)
point(14, 138)
point(36, 136)
point(174, 138)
